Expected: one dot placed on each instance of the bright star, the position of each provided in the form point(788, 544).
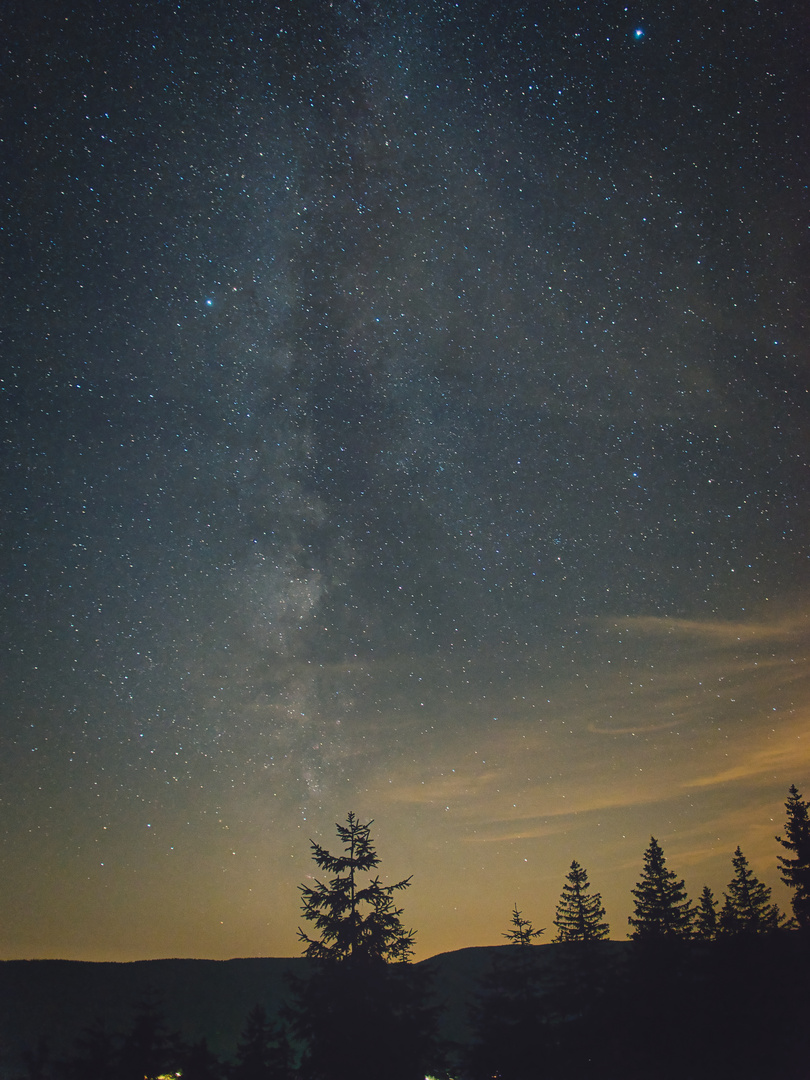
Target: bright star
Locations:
point(638, 32)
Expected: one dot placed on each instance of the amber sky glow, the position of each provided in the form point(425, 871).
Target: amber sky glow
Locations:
point(493, 811)
point(405, 411)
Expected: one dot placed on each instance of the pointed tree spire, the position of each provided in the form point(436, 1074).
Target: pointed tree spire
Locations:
point(748, 908)
point(662, 909)
point(580, 916)
point(522, 932)
point(705, 928)
point(356, 921)
point(795, 871)
point(361, 1011)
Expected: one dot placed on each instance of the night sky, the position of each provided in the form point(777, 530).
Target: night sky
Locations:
point(404, 410)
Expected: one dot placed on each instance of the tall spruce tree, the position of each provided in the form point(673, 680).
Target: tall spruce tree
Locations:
point(580, 916)
point(705, 928)
point(747, 908)
point(362, 1011)
point(795, 871)
point(356, 922)
point(662, 909)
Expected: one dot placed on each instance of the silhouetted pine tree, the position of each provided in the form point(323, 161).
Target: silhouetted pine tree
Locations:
point(363, 1011)
point(148, 1049)
point(662, 910)
point(506, 1013)
point(747, 908)
point(198, 1062)
point(358, 923)
point(94, 1055)
point(263, 1052)
point(705, 927)
point(795, 871)
point(659, 986)
point(579, 916)
point(522, 932)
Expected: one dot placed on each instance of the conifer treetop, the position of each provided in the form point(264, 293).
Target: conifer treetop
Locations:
point(662, 909)
point(522, 932)
point(795, 870)
point(580, 916)
point(747, 908)
point(705, 928)
point(356, 922)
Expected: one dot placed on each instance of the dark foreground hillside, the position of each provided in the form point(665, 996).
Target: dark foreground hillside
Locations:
point(56, 999)
point(726, 1009)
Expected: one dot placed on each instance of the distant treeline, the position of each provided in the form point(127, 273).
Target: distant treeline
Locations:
point(705, 990)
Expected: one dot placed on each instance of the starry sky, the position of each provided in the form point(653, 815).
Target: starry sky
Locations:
point(404, 410)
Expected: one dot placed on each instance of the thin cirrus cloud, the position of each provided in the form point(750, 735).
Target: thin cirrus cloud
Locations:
point(776, 752)
point(684, 710)
point(784, 628)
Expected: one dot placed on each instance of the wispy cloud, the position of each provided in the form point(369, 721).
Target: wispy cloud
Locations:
point(782, 628)
point(640, 726)
point(782, 750)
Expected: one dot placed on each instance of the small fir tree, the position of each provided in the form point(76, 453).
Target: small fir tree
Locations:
point(795, 871)
point(662, 910)
point(747, 908)
point(705, 928)
point(522, 932)
point(579, 917)
point(505, 1012)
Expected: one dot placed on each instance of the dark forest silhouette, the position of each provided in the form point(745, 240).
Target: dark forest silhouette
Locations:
point(715, 989)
